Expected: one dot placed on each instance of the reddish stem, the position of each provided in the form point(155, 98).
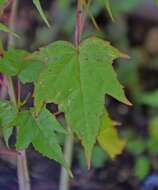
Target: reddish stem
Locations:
point(78, 23)
point(9, 152)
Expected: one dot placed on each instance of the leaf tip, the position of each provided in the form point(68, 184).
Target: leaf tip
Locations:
point(129, 103)
point(124, 56)
point(89, 164)
point(71, 174)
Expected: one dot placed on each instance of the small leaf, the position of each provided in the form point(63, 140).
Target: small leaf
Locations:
point(7, 132)
point(142, 167)
point(14, 62)
point(5, 28)
point(150, 98)
point(46, 142)
point(27, 130)
point(40, 131)
point(39, 8)
point(136, 146)
point(108, 138)
point(8, 113)
point(77, 80)
point(153, 129)
point(99, 157)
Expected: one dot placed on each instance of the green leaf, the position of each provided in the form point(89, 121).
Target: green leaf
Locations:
point(136, 146)
point(152, 147)
point(39, 8)
point(15, 62)
point(8, 113)
point(2, 2)
point(46, 142)
point(142, 167)
point(108, 7)
point(31, 72)
point(77, 80)
point(7, 132)
point(40, 131)
point(99, 157)
point(150, 98)
point(108, 138)
point(5, 28)
point(156, 1)
point(27, 130)
point(46, 118)
point(153, 129)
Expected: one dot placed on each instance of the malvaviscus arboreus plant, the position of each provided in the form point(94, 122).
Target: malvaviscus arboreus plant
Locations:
point(77, 78)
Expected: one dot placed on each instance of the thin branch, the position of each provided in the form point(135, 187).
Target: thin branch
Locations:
point(78, 23)
point(9, 152)
point(23, 176)
point(68, 148)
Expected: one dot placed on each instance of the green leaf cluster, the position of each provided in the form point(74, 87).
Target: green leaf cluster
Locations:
point(77, 80)
point(39, 130)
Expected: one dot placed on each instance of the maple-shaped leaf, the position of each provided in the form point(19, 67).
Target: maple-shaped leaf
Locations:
point(40, 131)
point(108, 137)
point(77, 80)
point(15, 63)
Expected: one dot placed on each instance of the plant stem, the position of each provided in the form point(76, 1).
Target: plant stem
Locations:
point(22, 170)
point(78, 29)
point(68, 148)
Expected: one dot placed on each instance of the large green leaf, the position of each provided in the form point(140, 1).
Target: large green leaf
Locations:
point(39, 8)
point(40, 131)
point(15, 62)
point(77, 80)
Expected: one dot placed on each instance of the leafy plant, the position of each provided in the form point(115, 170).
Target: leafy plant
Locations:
point(76, 77)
